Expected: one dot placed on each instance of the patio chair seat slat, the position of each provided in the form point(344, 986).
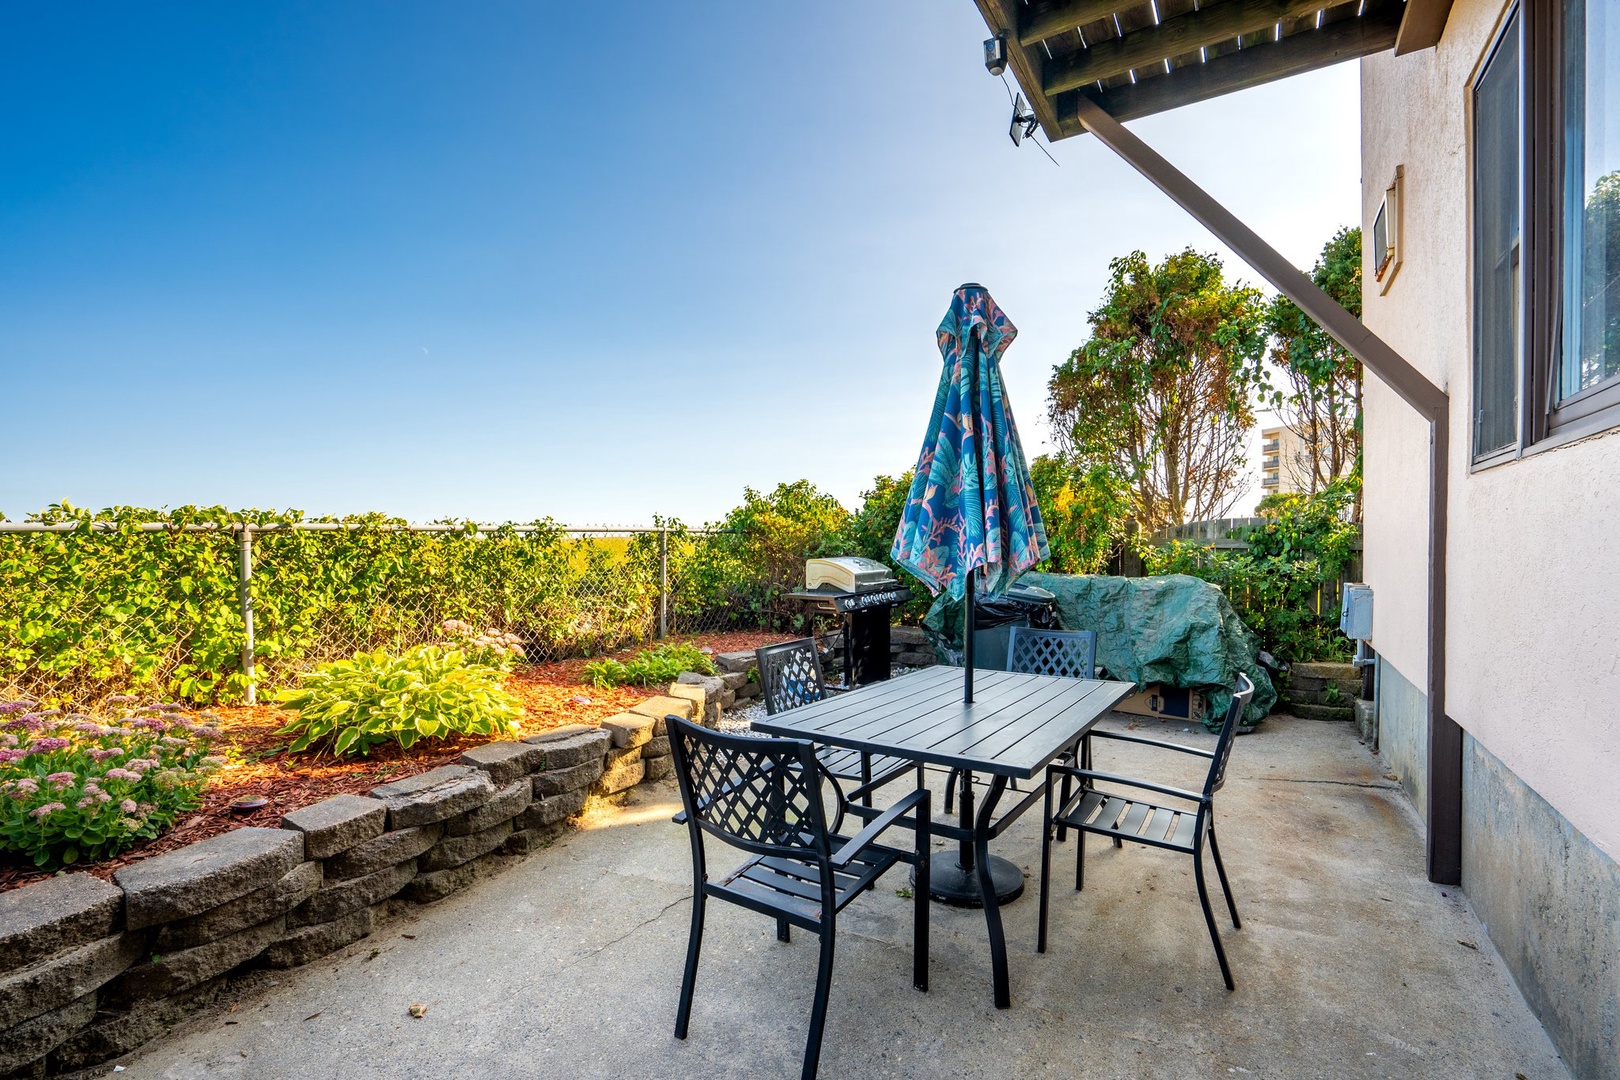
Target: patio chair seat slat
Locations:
point(1134, 818)
point(1182, 837)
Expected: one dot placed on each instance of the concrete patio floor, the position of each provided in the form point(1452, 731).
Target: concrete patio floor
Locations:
point(1349, 963)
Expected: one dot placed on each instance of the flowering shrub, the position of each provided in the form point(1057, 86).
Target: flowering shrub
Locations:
point(427, 692)
point(492, 648)
point(75, 789)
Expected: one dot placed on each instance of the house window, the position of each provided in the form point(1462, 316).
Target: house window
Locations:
point(1589, 358)
point(1497, 153)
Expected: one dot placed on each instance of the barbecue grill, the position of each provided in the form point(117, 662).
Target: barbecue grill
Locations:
point(861, 592)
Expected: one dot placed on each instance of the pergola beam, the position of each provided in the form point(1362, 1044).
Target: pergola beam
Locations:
point(1066, 17)
point(1422, 25)
point(1444, 833)
point(1294, 54)
point(1173, 37)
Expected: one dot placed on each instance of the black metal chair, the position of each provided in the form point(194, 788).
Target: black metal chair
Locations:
point(766, 797)
point(1130, 817)
point(789, 676)
point(1071, 654)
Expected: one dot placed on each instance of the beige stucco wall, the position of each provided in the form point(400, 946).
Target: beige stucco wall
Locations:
point(1534, 629)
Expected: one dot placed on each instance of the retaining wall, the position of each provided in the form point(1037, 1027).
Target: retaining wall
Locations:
point(90, 970)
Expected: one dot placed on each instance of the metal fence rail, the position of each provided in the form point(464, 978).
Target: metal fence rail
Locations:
point(221, 611)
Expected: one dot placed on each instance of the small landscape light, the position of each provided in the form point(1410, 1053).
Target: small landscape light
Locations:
point(249, 805)
point(995, 55)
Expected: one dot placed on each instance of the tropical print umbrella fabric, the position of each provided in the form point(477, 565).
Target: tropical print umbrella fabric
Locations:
point(972, 503)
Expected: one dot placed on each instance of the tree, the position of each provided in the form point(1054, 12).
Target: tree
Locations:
point(1321, 402)
point(1085, 510)
point(1161, 395)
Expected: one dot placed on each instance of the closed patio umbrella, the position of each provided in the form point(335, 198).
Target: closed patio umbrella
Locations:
point(971, 514)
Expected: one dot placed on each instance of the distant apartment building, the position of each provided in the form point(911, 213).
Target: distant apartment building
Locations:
point(1285, 461)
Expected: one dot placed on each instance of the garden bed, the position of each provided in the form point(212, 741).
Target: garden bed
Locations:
point(552, 695)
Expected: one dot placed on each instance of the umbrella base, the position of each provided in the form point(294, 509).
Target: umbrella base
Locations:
point(951, 883)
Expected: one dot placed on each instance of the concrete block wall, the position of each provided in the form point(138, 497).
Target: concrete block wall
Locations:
point(90, 970)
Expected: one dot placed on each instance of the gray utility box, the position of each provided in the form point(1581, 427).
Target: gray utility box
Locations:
point(1356, 612)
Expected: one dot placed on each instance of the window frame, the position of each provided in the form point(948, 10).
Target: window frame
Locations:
point(1544, 422)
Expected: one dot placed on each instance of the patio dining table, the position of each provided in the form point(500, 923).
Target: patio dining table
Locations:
point(1016, 725)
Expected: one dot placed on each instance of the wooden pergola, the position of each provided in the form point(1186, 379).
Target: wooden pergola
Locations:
point(1087, 65)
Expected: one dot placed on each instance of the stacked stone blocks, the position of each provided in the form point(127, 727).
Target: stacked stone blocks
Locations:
point(90, 970)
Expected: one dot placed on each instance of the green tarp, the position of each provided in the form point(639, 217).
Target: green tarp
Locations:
point(1173, 629)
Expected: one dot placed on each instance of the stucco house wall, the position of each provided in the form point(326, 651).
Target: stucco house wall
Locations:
point(1533, 636)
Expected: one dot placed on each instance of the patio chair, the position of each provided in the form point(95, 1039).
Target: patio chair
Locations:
point(1130, 817)
point(766, 797)
point(1069, 653)
point(789, 676)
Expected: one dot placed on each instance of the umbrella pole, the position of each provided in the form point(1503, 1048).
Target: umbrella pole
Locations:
point(967, 643)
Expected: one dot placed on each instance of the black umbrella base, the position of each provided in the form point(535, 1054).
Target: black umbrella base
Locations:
point(950, 883)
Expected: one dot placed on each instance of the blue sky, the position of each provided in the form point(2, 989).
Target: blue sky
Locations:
point(593, 261)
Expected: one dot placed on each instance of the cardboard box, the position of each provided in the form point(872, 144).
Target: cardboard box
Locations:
point(1166, 703)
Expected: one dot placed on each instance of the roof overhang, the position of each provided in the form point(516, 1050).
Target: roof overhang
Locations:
point(1138, 57)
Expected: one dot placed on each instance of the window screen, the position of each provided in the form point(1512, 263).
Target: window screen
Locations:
point(1591, 339)
point(1496, 247)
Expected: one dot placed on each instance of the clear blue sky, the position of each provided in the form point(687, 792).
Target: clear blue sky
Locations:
point(593, 261)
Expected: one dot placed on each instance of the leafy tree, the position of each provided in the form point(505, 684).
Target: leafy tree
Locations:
point(1161, 394)
point(1321, 401)
point(1086, 512)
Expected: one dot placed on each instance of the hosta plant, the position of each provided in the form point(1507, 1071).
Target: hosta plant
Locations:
point(649, 667)
point(77, 788)
point(428, 692)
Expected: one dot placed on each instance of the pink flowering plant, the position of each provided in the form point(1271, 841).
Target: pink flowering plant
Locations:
point(78, 788)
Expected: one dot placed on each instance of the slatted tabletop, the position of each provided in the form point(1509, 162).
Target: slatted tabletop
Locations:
point(1015, 726)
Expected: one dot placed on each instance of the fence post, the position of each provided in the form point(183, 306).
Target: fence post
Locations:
point(244, 592)
point(663, 581)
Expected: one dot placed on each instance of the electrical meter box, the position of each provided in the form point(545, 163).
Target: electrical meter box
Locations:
point(1355, 612)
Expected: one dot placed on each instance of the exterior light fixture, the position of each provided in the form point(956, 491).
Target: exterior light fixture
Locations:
point(995, 55)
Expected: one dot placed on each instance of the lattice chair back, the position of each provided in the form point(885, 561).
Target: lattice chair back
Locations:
point(1229, 726)
point(790, 675)
point(1069, 653)
point(764, 796)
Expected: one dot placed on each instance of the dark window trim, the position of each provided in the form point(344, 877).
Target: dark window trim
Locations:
point(1544, 422)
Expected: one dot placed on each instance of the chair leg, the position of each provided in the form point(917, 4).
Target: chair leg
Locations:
point(694, 945)
point(950, 789)
point(783, 931)
point(1220, 869)
point(919, 901)
point(818, 1012)
point(1046, 867)
point(1209, 915)
point(1079, 859)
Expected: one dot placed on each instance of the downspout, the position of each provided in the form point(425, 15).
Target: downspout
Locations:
point(1444, 833)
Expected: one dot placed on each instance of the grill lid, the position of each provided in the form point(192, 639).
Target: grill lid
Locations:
point(847, 573)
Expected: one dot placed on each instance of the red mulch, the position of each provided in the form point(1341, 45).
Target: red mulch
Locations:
point(552, 695)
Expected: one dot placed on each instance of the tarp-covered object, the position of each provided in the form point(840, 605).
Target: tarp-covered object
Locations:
point(1172, 629)
point(972, 503)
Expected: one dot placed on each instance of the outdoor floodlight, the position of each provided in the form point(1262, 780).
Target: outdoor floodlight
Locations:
point(995, 54)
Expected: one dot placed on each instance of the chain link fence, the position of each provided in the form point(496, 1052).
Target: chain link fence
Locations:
point(223, 612)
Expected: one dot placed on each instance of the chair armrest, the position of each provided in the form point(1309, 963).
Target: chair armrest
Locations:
point(680, 818)
point(1163, 789)
point(1160, 743)
point(861, 840)
point(905, 768)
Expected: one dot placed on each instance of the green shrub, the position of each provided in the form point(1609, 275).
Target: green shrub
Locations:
point(649, 667)
point(1282, 586)
point(75, 789)
point(428, 692)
